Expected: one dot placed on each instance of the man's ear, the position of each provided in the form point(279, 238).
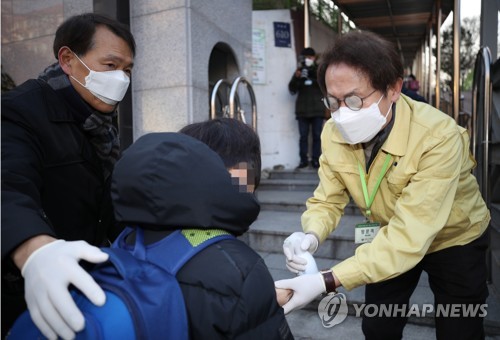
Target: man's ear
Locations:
point(395, 90)
point(66, 58)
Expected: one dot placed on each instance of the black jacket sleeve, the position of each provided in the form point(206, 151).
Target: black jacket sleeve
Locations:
point(294, 84)
point(52, 181)
point(258, 290)
point(22, 214)
point(229, 294)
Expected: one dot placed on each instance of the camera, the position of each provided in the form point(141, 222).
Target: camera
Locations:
point(301, 65)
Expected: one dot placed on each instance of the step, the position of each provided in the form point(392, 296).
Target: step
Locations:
point(278, 200)
point(422, 295)
point(308, 185)
point(306, 324)
point(271, 228)
point(294, 201)
point(310, 174)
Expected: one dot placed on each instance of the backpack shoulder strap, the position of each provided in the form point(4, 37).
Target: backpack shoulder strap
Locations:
point(175, 250)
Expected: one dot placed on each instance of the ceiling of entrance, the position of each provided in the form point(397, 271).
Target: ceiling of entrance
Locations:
point(404, 22)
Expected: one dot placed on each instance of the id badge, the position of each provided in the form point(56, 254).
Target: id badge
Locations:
point(365, 232)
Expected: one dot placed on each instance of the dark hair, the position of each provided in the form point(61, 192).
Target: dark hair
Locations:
point(367, 52)
point(78, 32)
point(308, 51)
point(233, 140)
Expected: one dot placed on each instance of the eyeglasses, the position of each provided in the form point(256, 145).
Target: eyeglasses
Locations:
point(353, 102)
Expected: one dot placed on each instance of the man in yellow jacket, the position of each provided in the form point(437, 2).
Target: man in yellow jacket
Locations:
point(407, 166)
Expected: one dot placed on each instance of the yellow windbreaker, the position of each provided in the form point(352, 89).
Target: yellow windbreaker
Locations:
point(428, 199)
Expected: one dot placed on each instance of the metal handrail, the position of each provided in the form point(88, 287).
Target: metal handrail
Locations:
point(213, 98)
point(483, 60)
point(233, 95)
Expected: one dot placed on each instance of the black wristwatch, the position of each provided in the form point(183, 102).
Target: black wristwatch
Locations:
point(329, 281)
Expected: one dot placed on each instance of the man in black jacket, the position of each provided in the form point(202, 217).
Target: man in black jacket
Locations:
point(59, 147)
point(170, 181)
point(309, 109)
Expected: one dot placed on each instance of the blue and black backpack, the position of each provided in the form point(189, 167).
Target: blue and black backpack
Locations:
point(143, 298)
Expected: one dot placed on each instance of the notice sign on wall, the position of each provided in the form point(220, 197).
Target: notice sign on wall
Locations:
point(282, 34)
point(258, 56)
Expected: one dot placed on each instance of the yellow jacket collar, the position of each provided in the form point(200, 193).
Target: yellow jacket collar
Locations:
point(397, 142)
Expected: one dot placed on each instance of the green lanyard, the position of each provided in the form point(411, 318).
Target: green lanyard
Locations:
point(362, 175)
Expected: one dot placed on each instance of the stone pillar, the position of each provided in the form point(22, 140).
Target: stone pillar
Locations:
point(174, 43)
point(28, 29)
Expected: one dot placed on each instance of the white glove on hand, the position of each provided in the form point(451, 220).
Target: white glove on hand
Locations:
point(47, 274)
point(305, 289)
point(296, 244)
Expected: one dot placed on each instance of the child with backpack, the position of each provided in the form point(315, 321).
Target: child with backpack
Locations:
point(178, 270)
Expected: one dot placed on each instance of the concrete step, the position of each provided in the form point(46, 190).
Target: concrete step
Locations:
point(271, 228)
point(277, 200)
point(289, 185)
point(307, 173)
point(292, 201)
point(306, 323)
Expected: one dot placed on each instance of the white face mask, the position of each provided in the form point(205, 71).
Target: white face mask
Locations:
point(309, 62)
point(359, 126)
point(108, 86)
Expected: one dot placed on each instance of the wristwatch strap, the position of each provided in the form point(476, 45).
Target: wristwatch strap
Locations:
point(329, 281)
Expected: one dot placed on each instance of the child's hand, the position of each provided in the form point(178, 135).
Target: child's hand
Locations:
point(283, 295)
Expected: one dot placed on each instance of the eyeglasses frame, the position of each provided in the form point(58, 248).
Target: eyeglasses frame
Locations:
point(339, 101)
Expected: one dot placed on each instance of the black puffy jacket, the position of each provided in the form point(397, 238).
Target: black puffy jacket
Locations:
point(169, 181)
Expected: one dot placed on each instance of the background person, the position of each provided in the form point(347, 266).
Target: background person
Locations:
point(412, 83)
point(411, 87)
point(423, 206)
point(412, 94)
point(59, 146)
point(309, 111)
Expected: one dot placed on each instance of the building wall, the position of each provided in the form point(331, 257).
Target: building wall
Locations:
point(174, 40)
point(277, 126)
point(28, 29)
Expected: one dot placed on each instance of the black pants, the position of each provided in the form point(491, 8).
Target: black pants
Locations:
point(457, 275)
point(305, 124)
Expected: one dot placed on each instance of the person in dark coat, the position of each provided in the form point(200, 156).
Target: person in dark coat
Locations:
point(309, 109)
point(59, 146)
point(170, 181)
point(412, 94)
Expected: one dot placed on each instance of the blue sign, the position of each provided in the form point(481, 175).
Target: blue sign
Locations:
point(282, 34)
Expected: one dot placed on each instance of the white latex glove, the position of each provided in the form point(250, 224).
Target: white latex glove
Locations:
point(47, 274)
point(305, 289)
point(296, 244)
